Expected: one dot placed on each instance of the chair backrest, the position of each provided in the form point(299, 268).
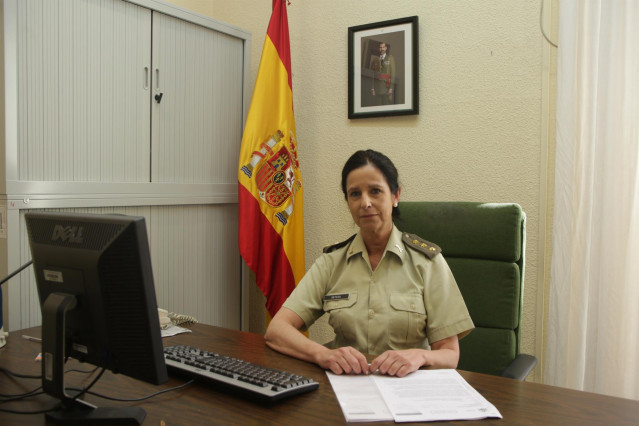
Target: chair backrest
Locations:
point(484, 244)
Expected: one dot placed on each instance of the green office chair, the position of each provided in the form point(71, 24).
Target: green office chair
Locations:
point(484, 245)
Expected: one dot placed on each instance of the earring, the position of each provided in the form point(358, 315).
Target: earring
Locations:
point(395, 205)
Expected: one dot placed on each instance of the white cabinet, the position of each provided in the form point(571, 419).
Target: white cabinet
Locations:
point(84, 131)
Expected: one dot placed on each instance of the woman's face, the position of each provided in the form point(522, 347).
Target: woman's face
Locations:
point(370, 199)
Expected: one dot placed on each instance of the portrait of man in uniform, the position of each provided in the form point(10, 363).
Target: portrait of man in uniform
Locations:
point(382, 67)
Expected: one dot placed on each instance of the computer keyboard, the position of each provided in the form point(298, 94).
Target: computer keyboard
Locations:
point(255, 381)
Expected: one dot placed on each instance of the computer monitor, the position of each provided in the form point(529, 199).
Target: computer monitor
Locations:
point(95, 285)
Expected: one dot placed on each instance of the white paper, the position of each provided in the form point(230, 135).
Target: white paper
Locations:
point(424, 395)
point(428, 395)
point(359, 398)
point(173, 330)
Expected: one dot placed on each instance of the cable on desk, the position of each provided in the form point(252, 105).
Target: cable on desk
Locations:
point(46, 410)
point(86, 389)
point(34, 392)
point(20, 375)
point(143, 398)
point(81, 391)
point(39, 376)
point(37, 391)
point(75, 370)
point(17, 397)
point(31, 376)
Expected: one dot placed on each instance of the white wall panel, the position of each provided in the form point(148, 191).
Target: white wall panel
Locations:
point(195, 261)
point(198, 124)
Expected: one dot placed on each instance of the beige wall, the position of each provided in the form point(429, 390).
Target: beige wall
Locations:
point(485, 127)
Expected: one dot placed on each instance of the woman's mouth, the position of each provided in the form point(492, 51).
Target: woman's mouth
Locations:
point(367, 216)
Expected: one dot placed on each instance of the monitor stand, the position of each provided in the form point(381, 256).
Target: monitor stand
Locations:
point(73, 410)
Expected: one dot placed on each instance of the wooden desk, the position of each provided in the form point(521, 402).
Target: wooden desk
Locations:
point(518, 402)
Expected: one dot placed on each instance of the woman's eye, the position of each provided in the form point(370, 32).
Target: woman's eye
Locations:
point(354, 194)
point(376, 191)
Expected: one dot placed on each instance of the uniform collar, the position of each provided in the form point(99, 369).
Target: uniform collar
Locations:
point(357, 246)
point(395, 245)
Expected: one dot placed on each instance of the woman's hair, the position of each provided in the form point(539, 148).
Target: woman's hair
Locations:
point(380, 162)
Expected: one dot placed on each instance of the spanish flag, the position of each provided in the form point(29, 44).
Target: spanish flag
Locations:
point(271, 220)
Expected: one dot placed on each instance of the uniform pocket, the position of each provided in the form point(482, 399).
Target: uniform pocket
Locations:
point(342, 317)
point(408, 324)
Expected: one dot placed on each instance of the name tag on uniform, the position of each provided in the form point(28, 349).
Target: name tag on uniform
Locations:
point(336, 296)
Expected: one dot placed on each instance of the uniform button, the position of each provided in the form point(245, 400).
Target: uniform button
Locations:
point(371, 313)
point(412, 306)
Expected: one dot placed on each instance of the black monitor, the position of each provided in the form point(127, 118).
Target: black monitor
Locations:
point(95, 285)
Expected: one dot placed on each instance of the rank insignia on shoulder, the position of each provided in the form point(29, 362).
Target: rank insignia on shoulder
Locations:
point(417, 243)
point(334, 247)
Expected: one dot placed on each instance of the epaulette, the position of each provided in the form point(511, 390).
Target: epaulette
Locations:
point(334, 247)
point(415, 242)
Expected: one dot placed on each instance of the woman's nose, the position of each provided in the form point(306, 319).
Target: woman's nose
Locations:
point(366, 201)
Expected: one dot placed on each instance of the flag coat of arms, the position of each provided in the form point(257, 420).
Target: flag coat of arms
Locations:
point(271, 220)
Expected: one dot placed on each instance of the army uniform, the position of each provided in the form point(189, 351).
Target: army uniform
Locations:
point(410, 300)
point(385, 80)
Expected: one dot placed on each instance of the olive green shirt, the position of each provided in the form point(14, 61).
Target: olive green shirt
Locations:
point(408, 301)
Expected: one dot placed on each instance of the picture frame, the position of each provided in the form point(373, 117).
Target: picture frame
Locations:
point(383, 71)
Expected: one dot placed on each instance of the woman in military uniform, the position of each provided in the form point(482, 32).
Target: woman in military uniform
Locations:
point(387, 293)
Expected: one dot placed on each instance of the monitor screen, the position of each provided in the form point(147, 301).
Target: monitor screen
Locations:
point(95, 285)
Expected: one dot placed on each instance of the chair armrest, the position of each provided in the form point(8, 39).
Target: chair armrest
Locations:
point(520, 367)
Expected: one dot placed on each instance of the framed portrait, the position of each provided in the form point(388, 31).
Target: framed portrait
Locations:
point(383, 77)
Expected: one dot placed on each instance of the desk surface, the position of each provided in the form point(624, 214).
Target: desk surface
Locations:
point(518, 402)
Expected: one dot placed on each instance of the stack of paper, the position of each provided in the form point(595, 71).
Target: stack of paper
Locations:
point(425, 395)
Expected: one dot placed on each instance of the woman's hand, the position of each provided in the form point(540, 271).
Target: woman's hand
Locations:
point(443, 354)
point(345, 360)
point(399, 363)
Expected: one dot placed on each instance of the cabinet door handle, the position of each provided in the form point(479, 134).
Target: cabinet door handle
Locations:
point(145, 77)
point(158, 96)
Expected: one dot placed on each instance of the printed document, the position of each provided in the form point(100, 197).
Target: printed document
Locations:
point(424, 395)
point(359, 398)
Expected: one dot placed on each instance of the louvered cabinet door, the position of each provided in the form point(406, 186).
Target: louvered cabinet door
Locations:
point(197, 108)
point(83, 90)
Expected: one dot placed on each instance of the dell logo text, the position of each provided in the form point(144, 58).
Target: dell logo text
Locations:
point(72, 234)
